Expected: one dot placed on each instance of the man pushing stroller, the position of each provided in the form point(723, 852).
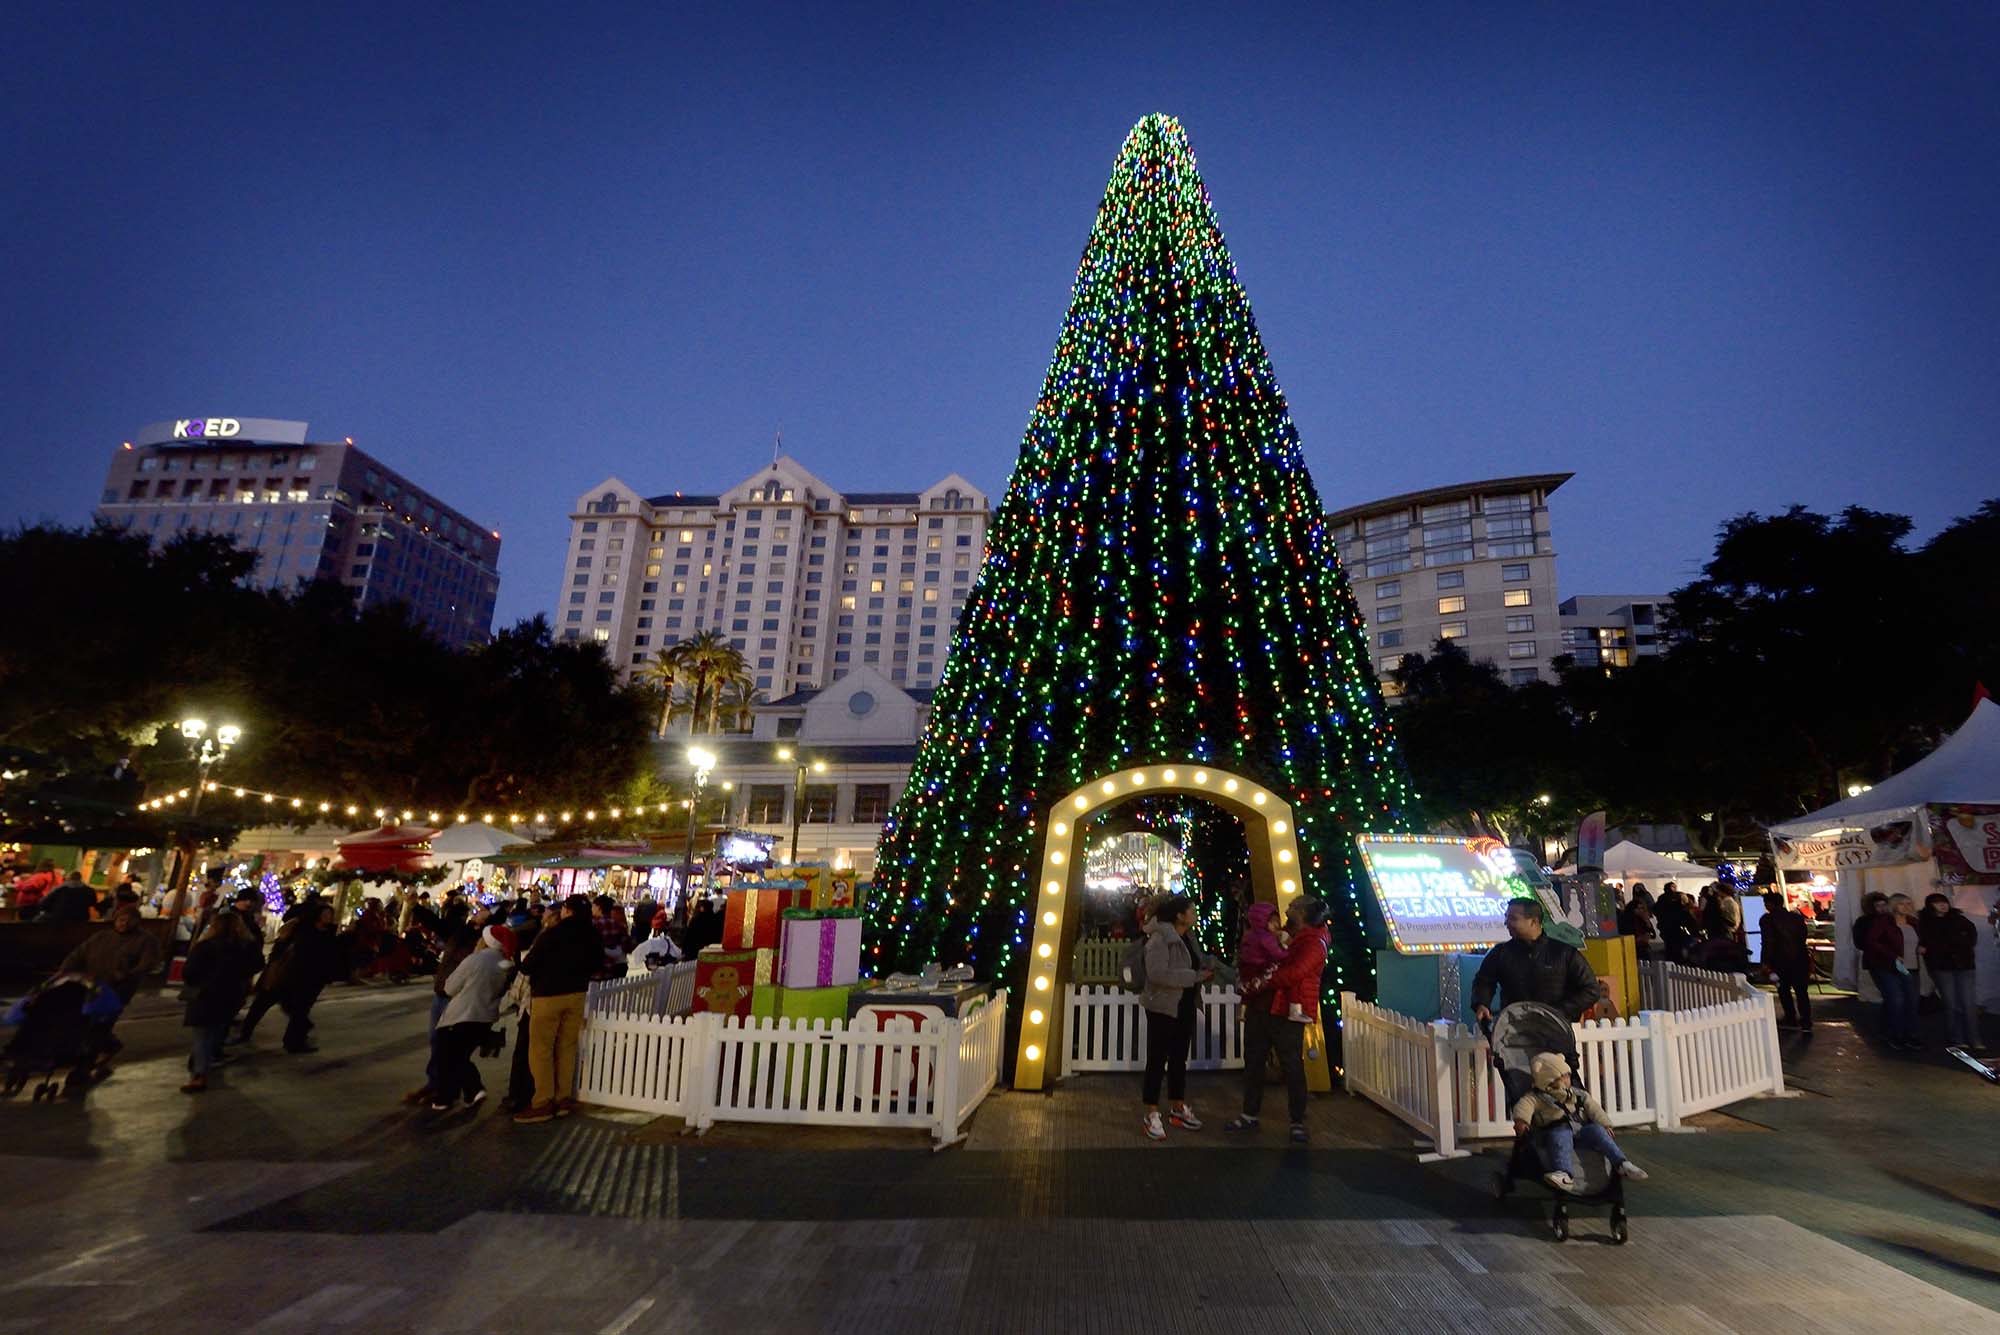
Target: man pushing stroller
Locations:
point(1560, 1118)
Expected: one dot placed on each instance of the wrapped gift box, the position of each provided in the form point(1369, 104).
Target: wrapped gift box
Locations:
point(948, 1000)
point(751, 914)
point(736, 982)
point(826, 887)
point(820, 947)
point(814, 1003)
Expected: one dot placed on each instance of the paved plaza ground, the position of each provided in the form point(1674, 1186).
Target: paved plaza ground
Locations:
point(299, 1195)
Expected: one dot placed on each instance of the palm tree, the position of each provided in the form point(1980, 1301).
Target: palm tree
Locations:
point(703, 662)
point(664, 672)
point(738, 695)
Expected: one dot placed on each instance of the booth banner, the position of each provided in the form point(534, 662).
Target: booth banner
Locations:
point(1590, 843)
point(1439, 894)
point(1886, 844)
point(1967, 839)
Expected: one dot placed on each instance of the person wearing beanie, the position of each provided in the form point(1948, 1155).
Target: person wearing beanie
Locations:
point(472, 1004)
point(1562, 1117)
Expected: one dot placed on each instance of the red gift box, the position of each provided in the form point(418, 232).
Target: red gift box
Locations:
point(728, 982)
point(750, 920)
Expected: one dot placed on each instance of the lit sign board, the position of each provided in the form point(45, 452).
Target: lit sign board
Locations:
point(206, 428)
point(1439, 894)
point(222, 430)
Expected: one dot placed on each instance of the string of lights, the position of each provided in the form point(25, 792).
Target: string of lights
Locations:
point(1159, 585)
point(288, 806)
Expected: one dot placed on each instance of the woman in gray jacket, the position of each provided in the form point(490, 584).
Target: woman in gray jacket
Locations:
point(472, 1004)
point(1175, 971)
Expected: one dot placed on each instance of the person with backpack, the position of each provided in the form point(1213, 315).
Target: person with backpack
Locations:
point(1170, 992)
point(1279, 1000)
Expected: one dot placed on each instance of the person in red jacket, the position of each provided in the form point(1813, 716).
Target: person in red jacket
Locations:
point(1277, 1005)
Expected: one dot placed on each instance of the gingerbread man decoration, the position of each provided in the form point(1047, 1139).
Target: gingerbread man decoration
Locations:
point(724, 990)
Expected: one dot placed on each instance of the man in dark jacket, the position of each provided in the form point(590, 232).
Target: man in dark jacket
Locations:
point(71, 901)
point(1947, 939)
point(559, 969)
point(1531, 966)
point(1784, 953)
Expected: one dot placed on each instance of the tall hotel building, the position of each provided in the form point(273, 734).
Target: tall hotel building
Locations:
point(1474, 563)
point(806, 581)
point(309, 510)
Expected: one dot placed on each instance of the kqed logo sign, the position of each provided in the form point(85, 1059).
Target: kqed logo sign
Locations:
point(205, 428)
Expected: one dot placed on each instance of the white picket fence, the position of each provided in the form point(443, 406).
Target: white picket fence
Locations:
point(1097, 960)
point(709, 1068)
point(1655, 1069)
point(1666, 986)
point(1107, 1031)
point(668, 991)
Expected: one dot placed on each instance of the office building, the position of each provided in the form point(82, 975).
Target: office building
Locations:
point(309, 510)
point(1613, 630)
point(808, 582)
point(1473, 563)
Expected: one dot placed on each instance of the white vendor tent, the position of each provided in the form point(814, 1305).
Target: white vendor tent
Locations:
point(473, 839)
point(1915, 832)
point(1626, 861)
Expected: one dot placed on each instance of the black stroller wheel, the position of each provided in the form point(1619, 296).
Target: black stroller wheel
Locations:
point(1620, 1232)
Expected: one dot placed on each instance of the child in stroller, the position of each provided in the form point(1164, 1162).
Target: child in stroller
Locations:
point(1560, 1118)
point(59, 1029)
point(1534, 1049)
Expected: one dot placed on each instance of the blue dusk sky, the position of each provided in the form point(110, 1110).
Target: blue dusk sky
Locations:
point(1711, 258)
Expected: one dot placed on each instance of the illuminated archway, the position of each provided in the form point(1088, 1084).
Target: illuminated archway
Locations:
point(1268, 828)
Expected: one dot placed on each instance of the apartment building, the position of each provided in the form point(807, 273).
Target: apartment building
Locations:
point(1613, 630)
point(1474, 563)
point(810, 583)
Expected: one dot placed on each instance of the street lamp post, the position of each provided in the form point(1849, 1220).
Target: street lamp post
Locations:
point(212, 749)
point(703, 761)
point(800, 765)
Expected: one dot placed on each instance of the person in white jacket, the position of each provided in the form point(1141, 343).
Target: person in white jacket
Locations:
point(472, 1004)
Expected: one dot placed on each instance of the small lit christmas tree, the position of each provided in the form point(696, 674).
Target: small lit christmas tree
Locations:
point(1159, 586)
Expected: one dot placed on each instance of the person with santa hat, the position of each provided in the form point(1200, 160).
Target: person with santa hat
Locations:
point(473, 993)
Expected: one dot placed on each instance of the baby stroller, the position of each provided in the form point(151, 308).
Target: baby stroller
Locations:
point(1518, 1034)
point(55, 1035)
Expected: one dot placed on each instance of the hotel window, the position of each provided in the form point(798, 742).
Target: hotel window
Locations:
point(1516, 597)
point(1393, 612)
point(1434, 514)
point(687, 535)
point(1519, 547)
point(1520, 625)
point(1448, 556)
point(1510, 526)
point(1511, 573)
point(1520, 648)
point(871, 803)
point(818, 809)
point(1501, 505)
point(1391, 639)
point(1523, 676)
point(1451, 579)
point(1389, 588)
point(1447, 606)
point(652, 570)
point(1452, 630)
point(1386, 523)
point(766, 805)
point(601, 635)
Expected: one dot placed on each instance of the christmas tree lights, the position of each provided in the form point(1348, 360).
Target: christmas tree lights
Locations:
point(1159, 587)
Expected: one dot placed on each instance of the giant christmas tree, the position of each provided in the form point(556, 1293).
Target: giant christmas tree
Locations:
point(1160, 587)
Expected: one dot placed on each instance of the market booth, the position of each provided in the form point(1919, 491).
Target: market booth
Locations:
point(1933, 827)
point(1443, 903)
point(1626, 863)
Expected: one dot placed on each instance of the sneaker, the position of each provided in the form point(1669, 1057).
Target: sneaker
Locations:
point(564, 1107)
point(195, 1085)
point(1154, 1129)
point(1560, 1181)
point(417, 1095)
point(440, 1107)
point(536, 1112)
point(1630, 1170)
point(1244, 1123)
point(477, 1099)
point(1184, 1118)
point(1298, 1133)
